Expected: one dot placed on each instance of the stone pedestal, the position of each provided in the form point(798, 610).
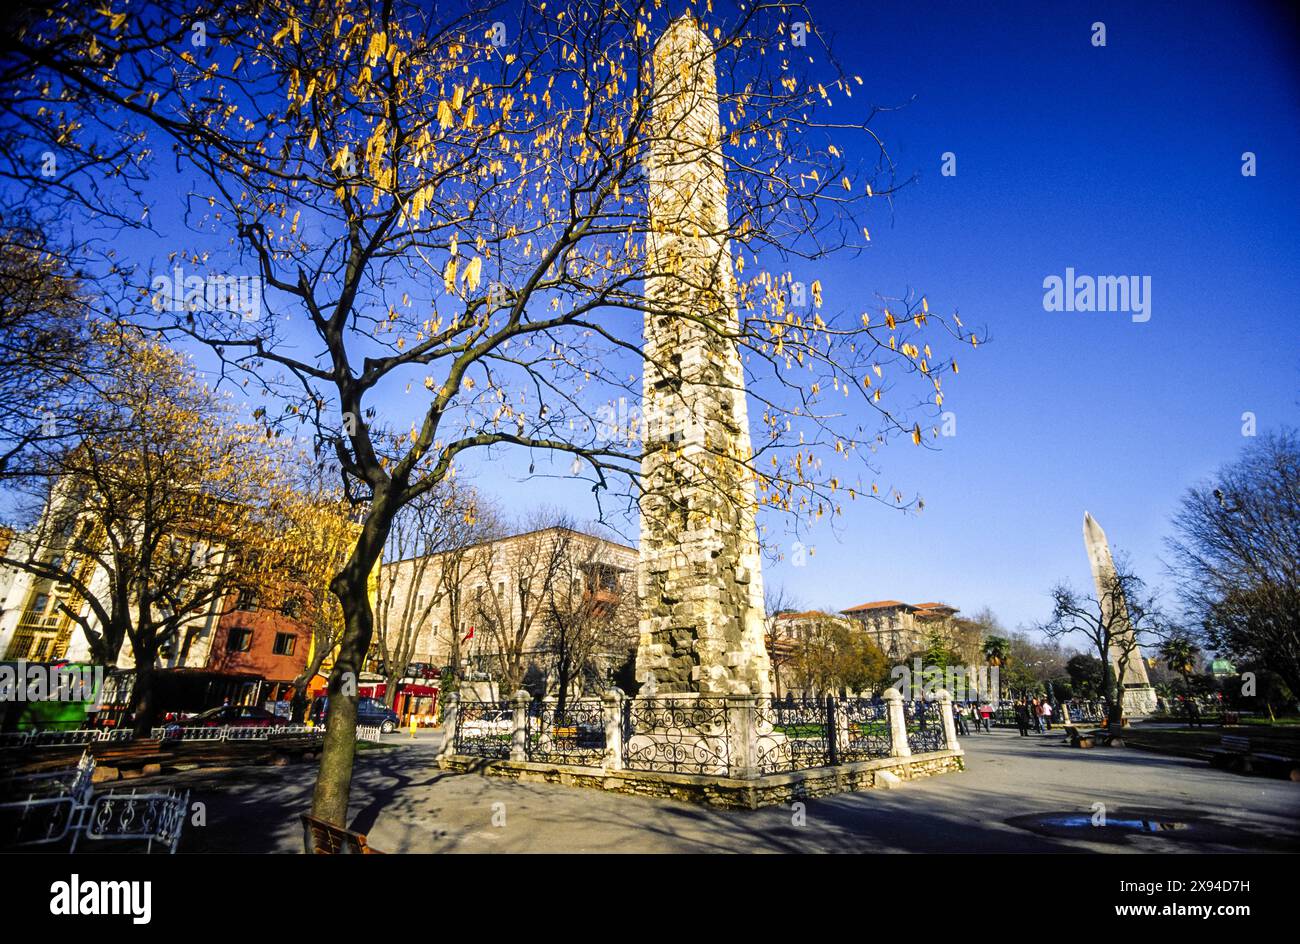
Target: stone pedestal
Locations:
point(1139, 701)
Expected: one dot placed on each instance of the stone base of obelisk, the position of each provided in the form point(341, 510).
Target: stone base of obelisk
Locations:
point(1139, 701)
point(723, 750)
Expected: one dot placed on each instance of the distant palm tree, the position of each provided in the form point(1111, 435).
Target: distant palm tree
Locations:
point(996, 652)
point(1179, 654)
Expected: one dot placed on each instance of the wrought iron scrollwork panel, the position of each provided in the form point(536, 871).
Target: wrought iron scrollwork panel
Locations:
point(793, 735)
point(484, 728)
point(924, 727)
point(675, 735)
point(865, 730)
point(575, 735)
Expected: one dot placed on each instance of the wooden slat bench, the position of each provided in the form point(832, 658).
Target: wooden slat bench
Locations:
point(128, 755)
point(322, 838)
point(1235, 753)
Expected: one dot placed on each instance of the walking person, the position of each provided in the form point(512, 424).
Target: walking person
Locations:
point(1022, 717)
point(1036, 714)
point(1047, 714)
point(986, 714)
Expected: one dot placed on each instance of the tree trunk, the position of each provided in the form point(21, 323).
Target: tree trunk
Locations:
point(351, 586)
point(562, 698)
point(142, 696)
point(334, 781)
point(1115, 694)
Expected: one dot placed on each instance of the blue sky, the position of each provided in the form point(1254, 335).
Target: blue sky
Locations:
point(1122, 160)
point(1117, 160)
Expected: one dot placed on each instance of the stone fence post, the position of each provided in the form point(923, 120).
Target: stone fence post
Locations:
point(450, 712)
point(742, 729)
point(519, 729)
point(949, 723)
point(897, 724)
point(612, 705)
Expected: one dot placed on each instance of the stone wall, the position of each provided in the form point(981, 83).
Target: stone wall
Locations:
point(723, 792)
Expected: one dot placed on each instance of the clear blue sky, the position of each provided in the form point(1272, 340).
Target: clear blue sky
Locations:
point(1117, 160)
point(1121, 160)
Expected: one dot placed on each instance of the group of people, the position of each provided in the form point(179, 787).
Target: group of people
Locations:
point(1036, 712)
point(981, 715)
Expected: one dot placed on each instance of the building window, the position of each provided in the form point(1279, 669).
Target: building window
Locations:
point(247, 600)
point(292, 607)
point(239, 640)
point(285, 643)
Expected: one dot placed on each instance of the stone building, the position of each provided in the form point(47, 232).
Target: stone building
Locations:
point(490, 610)
point(237, 648)
point(900, 628)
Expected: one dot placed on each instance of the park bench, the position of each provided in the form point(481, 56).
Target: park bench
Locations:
point(1084, 739)
point(1087, 739)
point(322, 838)
point(128, 756)
point(1235, 753)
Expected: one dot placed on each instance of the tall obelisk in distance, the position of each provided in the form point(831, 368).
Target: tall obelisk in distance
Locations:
point(1139, 697)
point(699, 581)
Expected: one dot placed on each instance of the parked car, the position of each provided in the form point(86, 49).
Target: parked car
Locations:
point(235, 716)
point(370, 711)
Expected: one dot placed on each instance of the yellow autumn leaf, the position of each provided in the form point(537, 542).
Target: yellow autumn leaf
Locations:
point(472, 272)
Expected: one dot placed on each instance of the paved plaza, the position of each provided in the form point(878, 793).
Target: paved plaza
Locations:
point(406, 804)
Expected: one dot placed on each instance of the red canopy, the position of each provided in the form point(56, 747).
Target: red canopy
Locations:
point(380, 689)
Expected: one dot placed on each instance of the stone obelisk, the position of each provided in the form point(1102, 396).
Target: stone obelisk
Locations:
point(699, 582)
point(1139, 696)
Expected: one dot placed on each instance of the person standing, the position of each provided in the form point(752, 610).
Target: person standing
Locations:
point(1022, 717)
point(959, 715)
point(1047, 714)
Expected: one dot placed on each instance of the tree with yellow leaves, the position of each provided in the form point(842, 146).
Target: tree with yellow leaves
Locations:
point(455, 207)
point(163, 508)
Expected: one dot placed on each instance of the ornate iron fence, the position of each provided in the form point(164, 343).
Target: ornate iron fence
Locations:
point(174, 732)
point(157, 816)
point(673, 735)
point(924, 726)
point(178, 732)
point(575, 735)
point(1081, 711)
point(864, 730)
point(484, 728)
point(794, 735)
point(62, 805)
point(694, 734)
point(68, 738)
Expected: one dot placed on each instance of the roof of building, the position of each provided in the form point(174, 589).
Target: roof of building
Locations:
point(878, 605)
point(935, 606)
point(807, 614)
